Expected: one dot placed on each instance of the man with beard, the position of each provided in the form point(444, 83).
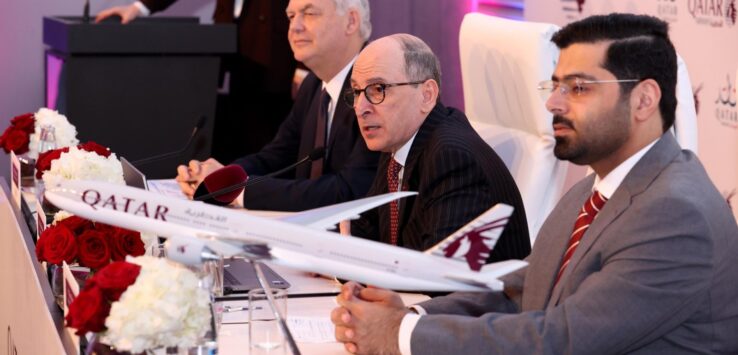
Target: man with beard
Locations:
point(638, 257)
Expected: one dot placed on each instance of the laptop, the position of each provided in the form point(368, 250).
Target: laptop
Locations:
point(239, 276)
point(133, 176)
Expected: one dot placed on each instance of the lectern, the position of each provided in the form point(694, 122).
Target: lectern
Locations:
point(140, 88)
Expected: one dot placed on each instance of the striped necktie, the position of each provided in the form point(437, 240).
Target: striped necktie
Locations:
point(590, 209)
point(393, 170)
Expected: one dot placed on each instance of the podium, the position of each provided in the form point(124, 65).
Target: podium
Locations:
point(139, 88)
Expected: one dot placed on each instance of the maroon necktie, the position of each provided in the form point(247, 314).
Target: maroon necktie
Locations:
point(590, 209)
point(392, 183)
point(316, 170)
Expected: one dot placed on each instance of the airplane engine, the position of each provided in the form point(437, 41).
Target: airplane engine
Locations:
point(188, 250)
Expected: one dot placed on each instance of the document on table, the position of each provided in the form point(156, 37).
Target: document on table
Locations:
point(312, 329)
point(166, 187)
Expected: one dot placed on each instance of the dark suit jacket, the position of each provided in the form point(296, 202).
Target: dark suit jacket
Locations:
point(262, 37)
point(457, 176)
point(348, 169)
point(655, 273)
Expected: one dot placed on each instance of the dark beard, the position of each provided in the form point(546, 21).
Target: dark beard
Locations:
point(564, 149)
point(596, 139)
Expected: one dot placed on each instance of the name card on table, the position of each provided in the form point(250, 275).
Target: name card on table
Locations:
point(71, 290)
point(15, 178)
point(40, 219)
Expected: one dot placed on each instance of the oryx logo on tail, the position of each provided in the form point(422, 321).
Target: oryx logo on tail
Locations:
point(473, 242)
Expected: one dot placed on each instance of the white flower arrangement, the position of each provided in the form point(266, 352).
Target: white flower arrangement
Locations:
point(65, 133)
point(60, 216)
point(163, 308)
point(77, 164)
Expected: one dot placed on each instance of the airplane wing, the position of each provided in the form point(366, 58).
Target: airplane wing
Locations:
point(326, 217)
point(487, 277)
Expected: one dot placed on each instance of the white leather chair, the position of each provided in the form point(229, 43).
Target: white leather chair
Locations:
point(685, 122)
point(502, 61)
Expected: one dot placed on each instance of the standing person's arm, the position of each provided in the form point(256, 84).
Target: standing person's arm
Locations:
point(129, 12)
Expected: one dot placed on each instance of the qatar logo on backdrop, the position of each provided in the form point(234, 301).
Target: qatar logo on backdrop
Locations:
point(713, 13)
point(667, 10)
point(572, 8)
point(726, 111)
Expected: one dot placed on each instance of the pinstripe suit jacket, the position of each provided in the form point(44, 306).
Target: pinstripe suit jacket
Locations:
point(457, 177)
point(655, 273)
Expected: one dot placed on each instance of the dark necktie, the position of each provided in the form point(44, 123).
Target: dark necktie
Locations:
point(316, 170)
point(587, 214)
point(393, 170)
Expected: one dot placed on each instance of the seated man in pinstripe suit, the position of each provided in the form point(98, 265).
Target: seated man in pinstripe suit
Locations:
point(428, 148)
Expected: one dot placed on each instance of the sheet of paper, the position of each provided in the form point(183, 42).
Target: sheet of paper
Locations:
point(166, 187)
point(312, 329)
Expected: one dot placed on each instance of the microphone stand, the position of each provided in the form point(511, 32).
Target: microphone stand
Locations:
point(86, 12)
point(200, 124)
point(277, 312)
point(316, 154)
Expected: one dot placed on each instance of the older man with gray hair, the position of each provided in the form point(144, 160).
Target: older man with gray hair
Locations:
point(325, 35)
point(427, 148)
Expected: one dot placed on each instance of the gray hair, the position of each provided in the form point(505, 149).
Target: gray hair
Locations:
point(420, 61)
point(362, 7)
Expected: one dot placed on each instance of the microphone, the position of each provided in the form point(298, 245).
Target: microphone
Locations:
point(86, 12)
point(153, 159)
point(221, 181)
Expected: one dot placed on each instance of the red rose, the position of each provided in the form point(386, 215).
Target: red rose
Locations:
point(115, 278)
point(106, 229)
point(93, 249)
point(15, 140)
point(56, 244)
point(25, 122)
point(88, 311)
point(94, 147)
point(125, 242)
point(43, 163)
point(76, 224)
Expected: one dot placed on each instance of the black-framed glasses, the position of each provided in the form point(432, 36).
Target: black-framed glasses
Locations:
point(374, 93)
point(574, 87)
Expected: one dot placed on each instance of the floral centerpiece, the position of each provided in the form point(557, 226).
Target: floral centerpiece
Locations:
point(141, 304)
point(94, 245)
point(24, 133)
point(88, 161)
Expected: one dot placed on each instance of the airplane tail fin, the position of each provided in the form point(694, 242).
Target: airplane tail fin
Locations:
point(474, 241)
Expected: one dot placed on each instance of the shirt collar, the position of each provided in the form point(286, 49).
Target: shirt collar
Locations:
point(400, 155)
point(607, 185)
point(334, 86)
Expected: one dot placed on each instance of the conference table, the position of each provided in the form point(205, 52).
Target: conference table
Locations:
point(34, 322)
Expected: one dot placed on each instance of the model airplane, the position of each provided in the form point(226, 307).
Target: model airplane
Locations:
point(298, 240)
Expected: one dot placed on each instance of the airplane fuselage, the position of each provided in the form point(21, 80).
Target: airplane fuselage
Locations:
point(292, 245)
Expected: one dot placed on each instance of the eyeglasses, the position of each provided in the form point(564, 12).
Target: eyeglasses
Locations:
point(374, 93)
point(574, 87)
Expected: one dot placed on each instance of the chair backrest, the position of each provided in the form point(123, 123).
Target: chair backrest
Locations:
point(502, 62)
point(685, 123)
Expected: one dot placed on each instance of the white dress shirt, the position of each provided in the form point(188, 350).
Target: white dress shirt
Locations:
point(333, 87)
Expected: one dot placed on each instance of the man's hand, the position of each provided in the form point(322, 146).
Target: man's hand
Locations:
point(368, 321)
point(191, 175)
point(126, 13)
